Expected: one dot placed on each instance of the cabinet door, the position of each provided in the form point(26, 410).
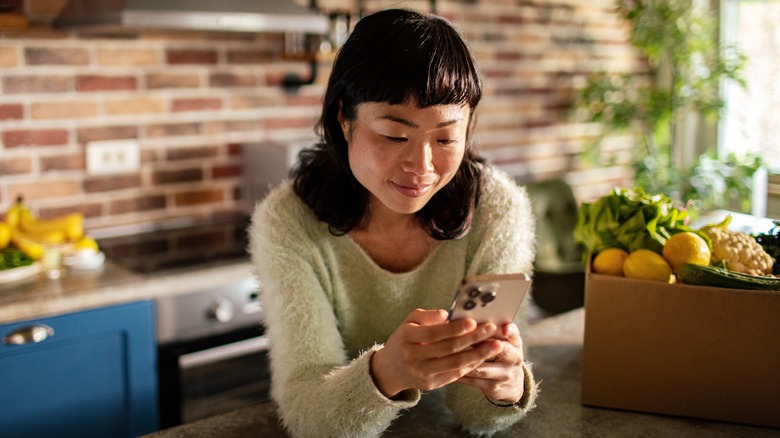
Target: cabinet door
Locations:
point(93, 374)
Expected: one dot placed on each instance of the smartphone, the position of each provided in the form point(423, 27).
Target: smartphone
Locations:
point(490, 298)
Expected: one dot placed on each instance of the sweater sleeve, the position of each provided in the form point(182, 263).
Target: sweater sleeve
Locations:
point(318, 389)
point(502, 242)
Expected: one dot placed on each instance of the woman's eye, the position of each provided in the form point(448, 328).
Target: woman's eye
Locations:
point(395, 139)
point(445, 141)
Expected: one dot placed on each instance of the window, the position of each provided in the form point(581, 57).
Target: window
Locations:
point(751, 119)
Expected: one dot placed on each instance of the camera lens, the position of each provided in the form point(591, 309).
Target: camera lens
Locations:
point(488, 297)
point(473, 293)
point(470, 304)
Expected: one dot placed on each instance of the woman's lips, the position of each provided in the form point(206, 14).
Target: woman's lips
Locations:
point(413, 191)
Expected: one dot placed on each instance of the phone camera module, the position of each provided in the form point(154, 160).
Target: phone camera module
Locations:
point(488, 297)
point(470, 304)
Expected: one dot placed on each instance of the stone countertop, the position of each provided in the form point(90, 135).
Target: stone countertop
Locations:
point(555, 346)
point(38, 297)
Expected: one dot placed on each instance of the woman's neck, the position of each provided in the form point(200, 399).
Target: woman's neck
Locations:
point(396, 242)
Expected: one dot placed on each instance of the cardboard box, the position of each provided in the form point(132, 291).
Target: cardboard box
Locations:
point(676, 349)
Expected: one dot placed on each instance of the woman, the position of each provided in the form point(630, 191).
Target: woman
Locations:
point(358, 254)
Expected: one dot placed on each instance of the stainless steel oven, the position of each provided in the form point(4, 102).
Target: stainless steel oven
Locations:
point(212, 352)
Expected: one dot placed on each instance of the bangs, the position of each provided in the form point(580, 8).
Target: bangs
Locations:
point(433, 67)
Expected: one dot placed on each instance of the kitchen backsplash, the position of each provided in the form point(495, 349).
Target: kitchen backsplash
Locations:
point(193, 100)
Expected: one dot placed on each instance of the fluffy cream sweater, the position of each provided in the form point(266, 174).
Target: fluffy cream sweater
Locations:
point(328, 307)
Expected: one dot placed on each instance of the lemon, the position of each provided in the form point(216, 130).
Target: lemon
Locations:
point(686, 247)
point(610, 261)
point(5, 235)
point(648, 265)
point(87, 242)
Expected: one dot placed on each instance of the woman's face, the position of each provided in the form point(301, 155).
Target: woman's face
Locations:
point(403, 154)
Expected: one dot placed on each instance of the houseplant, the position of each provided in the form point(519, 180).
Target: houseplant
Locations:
point(685, 66)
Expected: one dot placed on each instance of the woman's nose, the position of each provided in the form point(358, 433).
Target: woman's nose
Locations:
point(419, 159)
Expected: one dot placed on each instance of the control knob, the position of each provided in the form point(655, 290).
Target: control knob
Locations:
point(222, 310)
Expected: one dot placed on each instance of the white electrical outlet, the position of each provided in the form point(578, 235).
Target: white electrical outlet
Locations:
point(113, 156)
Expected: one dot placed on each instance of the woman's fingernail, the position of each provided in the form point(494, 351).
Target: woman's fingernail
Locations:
point(488, 328)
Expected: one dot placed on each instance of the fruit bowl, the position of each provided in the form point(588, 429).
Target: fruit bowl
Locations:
point(20, 273)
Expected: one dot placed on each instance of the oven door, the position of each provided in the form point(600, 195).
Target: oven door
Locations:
point(211, 376)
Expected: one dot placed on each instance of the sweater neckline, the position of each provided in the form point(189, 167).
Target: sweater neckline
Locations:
point(356, 248)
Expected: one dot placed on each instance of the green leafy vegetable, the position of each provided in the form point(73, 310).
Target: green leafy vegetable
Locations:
point(629, 219)
point(11, 257)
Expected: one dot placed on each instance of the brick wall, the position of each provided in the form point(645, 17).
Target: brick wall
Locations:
point(192, 99)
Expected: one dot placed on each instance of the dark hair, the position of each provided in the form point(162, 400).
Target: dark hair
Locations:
point(392, 56)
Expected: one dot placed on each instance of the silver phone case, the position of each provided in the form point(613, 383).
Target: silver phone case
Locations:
point(490, 298)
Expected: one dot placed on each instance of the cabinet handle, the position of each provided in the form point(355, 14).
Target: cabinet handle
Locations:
point(28, 335)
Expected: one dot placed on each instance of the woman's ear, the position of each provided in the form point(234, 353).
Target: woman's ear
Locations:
point(343, 121)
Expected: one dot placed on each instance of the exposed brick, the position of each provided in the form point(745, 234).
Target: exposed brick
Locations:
point(145, 203)
point(173, 130)
point(112, 182)
point(148, 156)
point(85, 135)
point(106, 83)
point(196, 104)
point(503, 55)
point(49, 8)
point(177, 176)
point(234, 149)
point(251, 56)
point(221, 126)
point(288, 123)
point(136, 106)
point(28, 137)
point(226, 171)
point(45, 189)
point(299, 100)
point(9, 57)
point(11, 166)
point(196, 197)
point(189, 153)
point(128, 57)
point(88, 209)
point(244, 101)
point(227, 79)
point(11, 111)
point(37, 84)
point(172, 80)
point(56, 56)
point(63, 110)
point(64, 162)
point(191, 56)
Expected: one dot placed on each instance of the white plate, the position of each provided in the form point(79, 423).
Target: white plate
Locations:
point(16, 274)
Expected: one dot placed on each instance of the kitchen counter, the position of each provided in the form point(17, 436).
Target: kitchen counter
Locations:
point(555, 346)
point(37, 296)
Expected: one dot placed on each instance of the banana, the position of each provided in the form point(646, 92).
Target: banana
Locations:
point(5, 234)
point(51, 237)
point(71, 225)
point(33, 249)
point(61, 229)
point(14, 214)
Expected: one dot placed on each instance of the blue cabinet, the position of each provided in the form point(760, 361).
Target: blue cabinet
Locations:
point(85, 374)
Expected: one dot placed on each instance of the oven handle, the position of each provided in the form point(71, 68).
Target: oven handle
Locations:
point(223, 352)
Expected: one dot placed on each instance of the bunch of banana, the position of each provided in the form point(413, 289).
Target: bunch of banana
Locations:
point(30, 233)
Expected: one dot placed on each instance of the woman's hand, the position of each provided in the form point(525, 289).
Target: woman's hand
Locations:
point(425, 352)
point(502, 379)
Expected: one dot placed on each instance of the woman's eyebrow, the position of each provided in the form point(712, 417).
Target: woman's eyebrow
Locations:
point(411, 124)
